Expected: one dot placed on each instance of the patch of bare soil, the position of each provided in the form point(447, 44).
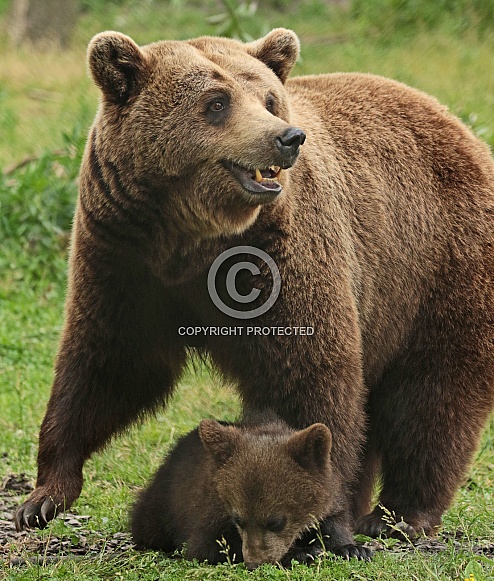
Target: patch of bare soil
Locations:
point(436, 545)
point(17, 548)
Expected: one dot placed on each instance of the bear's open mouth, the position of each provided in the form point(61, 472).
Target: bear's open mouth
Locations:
point(257, 181)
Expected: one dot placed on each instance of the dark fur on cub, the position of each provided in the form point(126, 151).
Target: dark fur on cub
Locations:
point(383, 234)
point(257, 487)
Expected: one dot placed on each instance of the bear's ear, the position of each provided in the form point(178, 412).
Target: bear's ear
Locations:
point(278, 50)
point(311, 447)
point(117, 64)
point(220, 441)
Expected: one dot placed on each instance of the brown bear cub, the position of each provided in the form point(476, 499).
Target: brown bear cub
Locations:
point(241, 493)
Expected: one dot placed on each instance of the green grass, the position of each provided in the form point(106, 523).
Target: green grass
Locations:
point(46, 105)
point(137, 568)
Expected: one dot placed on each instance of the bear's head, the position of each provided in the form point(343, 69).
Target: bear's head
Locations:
point(274, 484)
point(201, 125)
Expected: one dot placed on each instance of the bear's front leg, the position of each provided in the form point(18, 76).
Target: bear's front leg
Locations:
point(81, 417)
point(117, 360)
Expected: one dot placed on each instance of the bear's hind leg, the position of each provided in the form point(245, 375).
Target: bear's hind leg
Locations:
point(426, 417)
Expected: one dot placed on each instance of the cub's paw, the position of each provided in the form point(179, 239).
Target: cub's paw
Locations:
point(353, 550)
point(39, 509)
point(305, 555)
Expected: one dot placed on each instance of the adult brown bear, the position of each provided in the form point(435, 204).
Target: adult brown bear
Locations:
point(382, 233)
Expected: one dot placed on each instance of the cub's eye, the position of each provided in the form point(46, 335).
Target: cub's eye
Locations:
point(237, 521)
point(276, 524)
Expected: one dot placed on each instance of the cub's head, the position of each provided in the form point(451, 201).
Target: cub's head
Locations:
point(205, 123)
point(274, 483)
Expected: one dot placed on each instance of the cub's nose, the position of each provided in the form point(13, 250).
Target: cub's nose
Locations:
point(288, 144)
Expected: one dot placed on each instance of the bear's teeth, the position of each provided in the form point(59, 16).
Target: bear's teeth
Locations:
point(276, 170)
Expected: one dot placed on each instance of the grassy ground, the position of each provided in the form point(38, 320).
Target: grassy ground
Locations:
point(46, 106)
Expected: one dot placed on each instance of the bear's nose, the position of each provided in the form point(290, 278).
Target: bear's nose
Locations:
point(289, 142)
point(251, 565)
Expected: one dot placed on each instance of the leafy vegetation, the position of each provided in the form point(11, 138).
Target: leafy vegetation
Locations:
point(390, 16)
point(46, 106)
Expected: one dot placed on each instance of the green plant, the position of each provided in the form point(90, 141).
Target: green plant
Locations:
point(234, 21)
point(392, 16)
point(36, 208)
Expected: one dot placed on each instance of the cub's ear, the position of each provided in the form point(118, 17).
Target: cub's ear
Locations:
point(117, 65)
point(311, 447)
point(220, 441)
point(278, 50)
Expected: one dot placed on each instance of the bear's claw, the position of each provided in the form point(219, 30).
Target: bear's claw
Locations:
point(26, 517)
point(33, 514)
point(357, 551)
point(306, 555)
point(372, 525)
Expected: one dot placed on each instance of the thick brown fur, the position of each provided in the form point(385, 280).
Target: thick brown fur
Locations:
point(240, 492)
point(383, 236)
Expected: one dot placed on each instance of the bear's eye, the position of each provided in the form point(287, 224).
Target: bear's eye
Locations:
point(276, 524)
point(217, 106)
point(271, 104)
point(217, 109)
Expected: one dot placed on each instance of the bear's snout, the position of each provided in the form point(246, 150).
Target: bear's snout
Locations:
point(288, 144)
